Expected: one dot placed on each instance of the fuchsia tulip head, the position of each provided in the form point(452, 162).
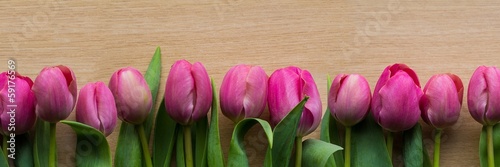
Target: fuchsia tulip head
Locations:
point(23, 99)
point(349, 98)
point(243, 92)
point(55, 91)
point(395, 103)
point(442, 100)
point(483, 97)
point(96, 107)
point(132, 95)
point(287, 87)
point(188, 92)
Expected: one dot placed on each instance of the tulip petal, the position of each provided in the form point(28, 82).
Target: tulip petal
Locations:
point(311, 116)
point(282, 95)
point(492, 77)
point(179, 92)
point(254, 101)
point(86, 109)
point(352, 99)
point(477, 95)
point(203, 91)
point(442, 107)
point(400, 103)
point(106, 108)
point(232, 92)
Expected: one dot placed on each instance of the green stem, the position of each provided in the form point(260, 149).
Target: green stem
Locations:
point(5, 145)
point(144, 145)
point(188, 149)
point(347, 152)
point(489, 138)
point(437, 147)
point(390, 141)
point(298, 151)
point(52, 145)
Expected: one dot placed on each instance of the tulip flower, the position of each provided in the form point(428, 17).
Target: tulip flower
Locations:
point(96, 107)
point(188, 92)
point(132, 95)
point(243, 92)
point(349, 98)
point(287, 87)
point(483, 100)
point(188, 97)
point(442, 100)
point(483, 97)
point(24, 101)
point(441, 104)
point(395, 102)
point(55, 91)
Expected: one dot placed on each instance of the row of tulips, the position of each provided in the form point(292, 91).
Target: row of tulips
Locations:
point(397, 104)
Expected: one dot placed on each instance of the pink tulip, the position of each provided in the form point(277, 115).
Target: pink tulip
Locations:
point(287, 87)
point(395, 103)
point(483, 97)
point(96, 107)
point(442, 100)
point(23, 103)
point(243, 92)
point(132, 95)
point(349, 98)
point(55, 91)
point(188, 92)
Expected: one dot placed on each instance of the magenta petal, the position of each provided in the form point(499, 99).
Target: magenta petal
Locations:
point(492, 76)
point(255, 100)
point(179, 92)
point(232, 92)
point(442, 106)
point(352, 100)
point(283, 92)
point(106, 108)
point(477, 95)
point(400, 100)
point(86, 109)
point(203, 91)
point(55, 100)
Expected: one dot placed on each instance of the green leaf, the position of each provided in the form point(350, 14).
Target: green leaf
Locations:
point(316, 152)
point(214, 154)
point(128, 149)
point(24, 151)
point(92, 148)
point(152, 77)
point(200, 147)
point(179, 148)
point(329, 133)
point(483, 153)
point(164, 138)
point(41, 143)
point(284, 136)
point(368, 145)
point(237, 156)
point(3, 158)
point(413, 149)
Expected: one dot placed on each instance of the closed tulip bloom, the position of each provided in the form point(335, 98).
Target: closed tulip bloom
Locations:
point(96, 107)
point(349, 98)
point(55, 91)
point(243, 93)
point(188, 92)
point(483, 97)
point(24, 100)
point(395, 103)
point(287, 87)
point(442, 100)
point(132, 95)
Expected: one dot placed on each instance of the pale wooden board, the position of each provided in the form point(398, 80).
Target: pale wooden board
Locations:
point(327, 38)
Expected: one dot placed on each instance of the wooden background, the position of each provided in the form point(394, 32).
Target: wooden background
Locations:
point(96, 38)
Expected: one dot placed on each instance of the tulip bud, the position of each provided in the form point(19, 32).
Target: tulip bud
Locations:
point(24, 100)
point(243, 92)
point(287, 87)
point(96, 107)
point(55, 91)
point(395, 103)
point(483, 96)
point(442, 100)
point(349, 98)
point(188, 92)
point(132, 95)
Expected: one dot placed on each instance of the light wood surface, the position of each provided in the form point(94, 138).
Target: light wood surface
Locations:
point(95, 38)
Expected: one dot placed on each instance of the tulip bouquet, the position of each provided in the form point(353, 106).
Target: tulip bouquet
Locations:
point(357, 129)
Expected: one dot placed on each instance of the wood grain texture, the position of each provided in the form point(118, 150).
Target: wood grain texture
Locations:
point(95, 38)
